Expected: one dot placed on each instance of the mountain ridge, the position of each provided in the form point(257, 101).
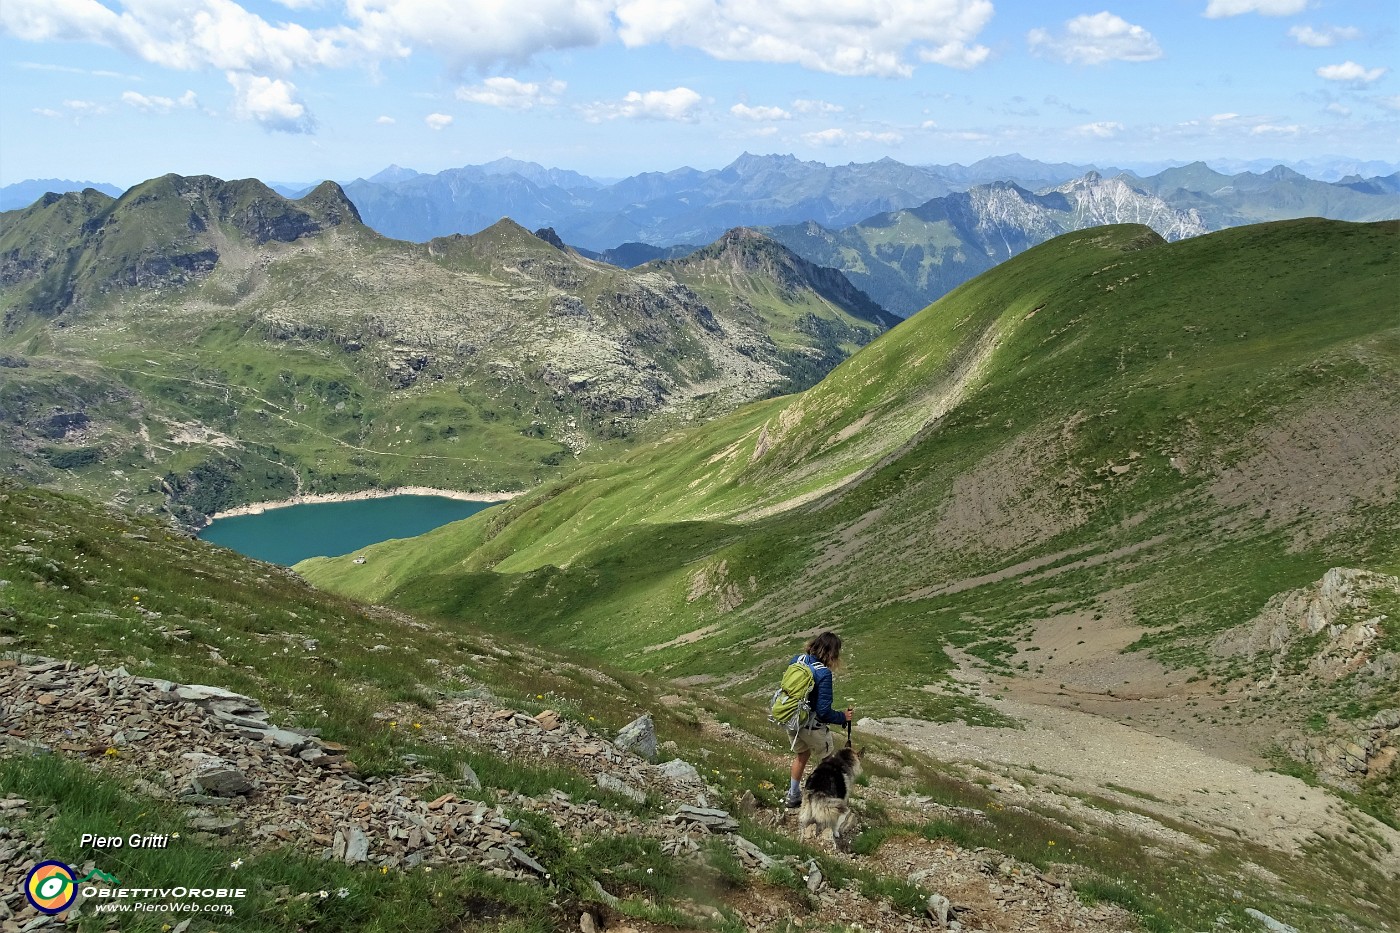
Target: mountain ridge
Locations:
point(298, 345)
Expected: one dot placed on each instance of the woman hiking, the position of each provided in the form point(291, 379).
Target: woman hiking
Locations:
point(822, 655)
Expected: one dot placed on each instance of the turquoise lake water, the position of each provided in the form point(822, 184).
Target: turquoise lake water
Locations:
point(329, 529)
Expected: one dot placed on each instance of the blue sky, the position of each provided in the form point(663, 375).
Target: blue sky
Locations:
point(299, 90)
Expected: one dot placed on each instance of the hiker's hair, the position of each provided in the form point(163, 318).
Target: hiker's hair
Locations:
point(826, 648)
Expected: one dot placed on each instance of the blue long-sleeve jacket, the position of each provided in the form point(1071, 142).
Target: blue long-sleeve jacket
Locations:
point(820, 697)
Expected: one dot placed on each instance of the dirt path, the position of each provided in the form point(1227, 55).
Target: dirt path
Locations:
point(1083, 753)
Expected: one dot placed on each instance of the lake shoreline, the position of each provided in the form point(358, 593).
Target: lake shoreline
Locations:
point(258, 508)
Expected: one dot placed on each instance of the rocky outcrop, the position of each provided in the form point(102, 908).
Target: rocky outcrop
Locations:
point(1349, 755)
point(1335, 611)
point(1326, 640)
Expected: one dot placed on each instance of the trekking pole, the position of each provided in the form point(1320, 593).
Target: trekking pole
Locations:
point(850, 724)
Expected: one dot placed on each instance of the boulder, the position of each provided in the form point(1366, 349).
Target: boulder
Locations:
point(639, 737)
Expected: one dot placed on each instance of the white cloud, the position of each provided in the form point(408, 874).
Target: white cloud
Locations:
point(1272, 129)
point(956, 55)
point(1218, 9)
point(438, 121)
point(969, 136)
point(677, 104)
point(1351, 72)
point(510, 94)
point(759, 113)
point(1224, 117)
point(47, 112)
point(217, 34)
point(1095, 39)
point(67, 69)
point(385, 120)
point(154, 104)
point(849, 37)
point(1341, 110)
point(84, 107)
point(806, 105)
point(486, 32)
point(1325, 37)
point(1102, 129)
point(1389, 103)
point(840, 137)
point(271, 102)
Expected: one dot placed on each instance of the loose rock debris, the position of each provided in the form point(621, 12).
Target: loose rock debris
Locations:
point(238, 773)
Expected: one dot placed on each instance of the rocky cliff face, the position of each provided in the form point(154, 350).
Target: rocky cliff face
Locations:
point(908, 259)
point(1331, 643)
point(1098, 201)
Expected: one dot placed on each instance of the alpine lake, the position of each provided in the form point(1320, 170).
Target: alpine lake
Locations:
point(287, 534)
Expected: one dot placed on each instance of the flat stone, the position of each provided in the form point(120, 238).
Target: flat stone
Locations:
point(222, 782)
point(519, 856)
point(356, 846)
point(200, 693)
point(678, 770)
point(293, 742)
point(217, 825)
point(707, 816)
point(617, 786)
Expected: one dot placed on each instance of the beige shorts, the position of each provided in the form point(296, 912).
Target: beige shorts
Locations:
point(815, 739)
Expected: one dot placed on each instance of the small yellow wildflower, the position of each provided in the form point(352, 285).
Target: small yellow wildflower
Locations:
point(111, 752)
point(417, 725)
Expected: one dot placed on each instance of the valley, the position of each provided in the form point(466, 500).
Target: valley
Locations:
point(1078, 472)
point(430, 433)
point(1108, 529)
point(198, 345)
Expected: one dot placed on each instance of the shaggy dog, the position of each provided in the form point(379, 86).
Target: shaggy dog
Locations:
point(824, 802)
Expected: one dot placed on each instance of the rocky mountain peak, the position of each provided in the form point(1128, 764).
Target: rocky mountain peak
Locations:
point(744, 252)
point(549, 236)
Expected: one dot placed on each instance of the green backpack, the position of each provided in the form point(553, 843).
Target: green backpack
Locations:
point(790, 708)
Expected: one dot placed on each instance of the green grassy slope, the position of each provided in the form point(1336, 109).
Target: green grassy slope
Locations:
point(99, 586)
point(1156, 436)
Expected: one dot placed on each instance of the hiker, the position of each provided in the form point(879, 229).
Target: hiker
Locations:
point(822, 655)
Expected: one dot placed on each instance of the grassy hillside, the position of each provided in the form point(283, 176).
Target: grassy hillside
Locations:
point(1139, 441)
point(97, 586)
point(198, 344)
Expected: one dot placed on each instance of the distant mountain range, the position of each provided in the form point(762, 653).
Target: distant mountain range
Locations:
point(658, 208)
point(907, 259)
point(905, 234)
point(25, 193)
point(199, 343)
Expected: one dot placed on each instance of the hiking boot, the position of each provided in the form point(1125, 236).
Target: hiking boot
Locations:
point(792, 803)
